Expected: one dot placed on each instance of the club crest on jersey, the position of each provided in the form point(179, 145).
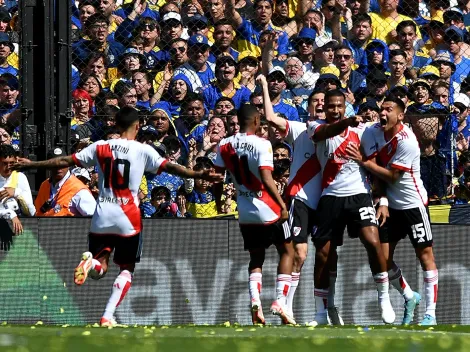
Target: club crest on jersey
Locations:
point(296, 231)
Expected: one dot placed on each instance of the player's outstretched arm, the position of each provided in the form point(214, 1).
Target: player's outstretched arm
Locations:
point(333, 129)
point(271, 116)
point(54, 163)
point(389, 176)
point(268, 182)
point(178, 170)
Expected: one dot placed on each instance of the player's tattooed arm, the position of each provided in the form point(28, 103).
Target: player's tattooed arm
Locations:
point(333, 129)
point(54, 163)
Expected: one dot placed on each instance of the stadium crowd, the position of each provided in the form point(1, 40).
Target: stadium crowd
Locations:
point(188, 66)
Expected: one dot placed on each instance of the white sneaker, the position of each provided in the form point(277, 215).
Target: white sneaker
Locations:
point(320, 319)
point(388, 314)
point(333, 316)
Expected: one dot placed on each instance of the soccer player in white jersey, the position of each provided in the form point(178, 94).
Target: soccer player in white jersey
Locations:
point(262, 213)
point(392, 154)
point(304, 191)
point(346, 200)
point(116, 224)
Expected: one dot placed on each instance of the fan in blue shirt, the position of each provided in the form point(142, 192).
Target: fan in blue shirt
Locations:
point(224, 85)
point(276, 85)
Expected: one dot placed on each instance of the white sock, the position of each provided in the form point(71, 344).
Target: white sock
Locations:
point(293, 286)
point(283, 282)
point(321, 300)
point(121, 285)
point(96, 271)
point(395, 276)
point(381, 280)
point(332, 289)
point(430, 287)
point(255, 285)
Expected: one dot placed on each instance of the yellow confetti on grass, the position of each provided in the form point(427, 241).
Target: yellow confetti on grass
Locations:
point(227, 324)
point(252, 329)
point(86, 333)
point(61, 310)
point(39, 323)
point(44, 297)
point(164, 327)
point(238, 330)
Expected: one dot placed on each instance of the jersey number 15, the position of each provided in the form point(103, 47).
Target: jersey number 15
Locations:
point(112, 174)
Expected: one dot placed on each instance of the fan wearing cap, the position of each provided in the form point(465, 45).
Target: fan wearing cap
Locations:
point(376, 87)
point(14, 184)
point(421, 92)
point(198, 24)
point(460, 51)
point(198, 70)
point(225, 86)
point(324, 54)
point(248, 66)
point(444, 62)
point(276, 85)
point(6, 48)
point(147, 31)
point(63, 194)
point(462, 109)
point(304, 43)
point(224, 35)
point(385, 23)
point(249, 31)
point(9, 93)
point(369, 112)
point(429, 73)
point(96, 28)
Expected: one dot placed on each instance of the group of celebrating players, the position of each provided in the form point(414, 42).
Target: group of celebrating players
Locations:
point(344, 174)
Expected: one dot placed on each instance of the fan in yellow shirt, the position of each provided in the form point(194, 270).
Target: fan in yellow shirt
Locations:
point(384, 24)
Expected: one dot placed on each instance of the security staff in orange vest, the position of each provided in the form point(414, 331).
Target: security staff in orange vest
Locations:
point(63, 194)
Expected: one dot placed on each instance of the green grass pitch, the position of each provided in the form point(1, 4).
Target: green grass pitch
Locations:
point(234, 338)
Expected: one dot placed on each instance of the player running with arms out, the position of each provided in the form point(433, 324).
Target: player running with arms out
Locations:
point(116, 224)
point(346, 200)
point(261, 210)
point(392, 154)
point(304, 191)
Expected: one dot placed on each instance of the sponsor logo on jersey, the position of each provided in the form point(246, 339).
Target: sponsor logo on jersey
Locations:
point(250, 194)
point(120, 201)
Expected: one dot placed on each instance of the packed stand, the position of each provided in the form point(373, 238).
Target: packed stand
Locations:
point(189, 66)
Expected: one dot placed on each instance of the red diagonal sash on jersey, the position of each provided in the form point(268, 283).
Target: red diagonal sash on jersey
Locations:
point(306, 172)
point(130, 209)
point(332, 167)
point(227, 152)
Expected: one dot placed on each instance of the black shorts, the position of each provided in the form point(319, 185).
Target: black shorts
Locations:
point(301, 221)
point(413, 223)
point(263, 236)
point(127, 250)
point(334, 214)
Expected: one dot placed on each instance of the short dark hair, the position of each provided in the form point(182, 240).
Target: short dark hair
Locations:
point(315, 92)
point(190, 98)
point(100, 100)
point(126, 117)
point(230, 100)
point(122, 88)
point(7, 151)
point(280, 167)
point(361, 17)
point(282, 145)
point(246, 114)
point(96, 18)
point(393, 99)
point(404, 24)
point(223, 22)
point(334, 93)
point(161, 190)
point(398, 52)
point(171, 143)
point(110, 130)
point(107, 110)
